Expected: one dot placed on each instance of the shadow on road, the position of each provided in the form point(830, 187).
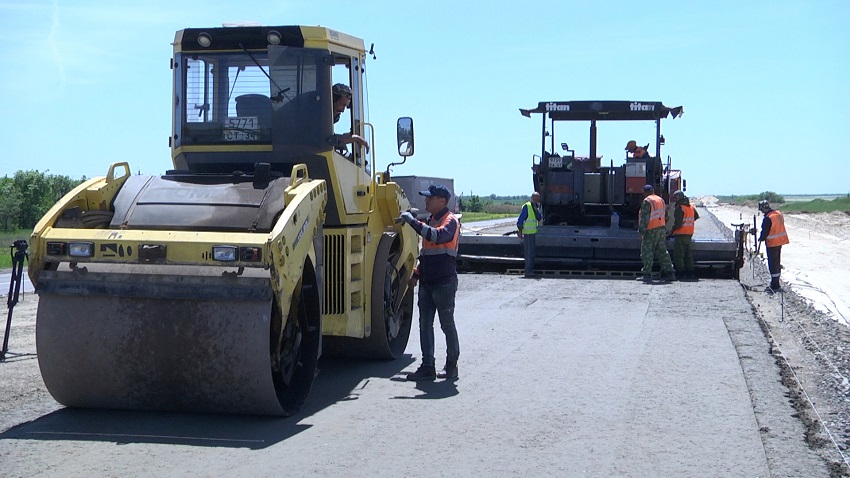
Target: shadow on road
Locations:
point(432, 390)
point(337, 381)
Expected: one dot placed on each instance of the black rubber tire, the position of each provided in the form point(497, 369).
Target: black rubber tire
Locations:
point(296, 358)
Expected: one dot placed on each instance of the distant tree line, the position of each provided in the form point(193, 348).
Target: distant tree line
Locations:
point(26, 197)
point(771, 196)
point(493, 204)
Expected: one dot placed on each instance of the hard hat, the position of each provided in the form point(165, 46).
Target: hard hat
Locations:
point(631, 145)
point(764, 206)
point(340, 89)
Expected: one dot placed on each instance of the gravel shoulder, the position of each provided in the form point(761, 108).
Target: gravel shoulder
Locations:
point(806, 325)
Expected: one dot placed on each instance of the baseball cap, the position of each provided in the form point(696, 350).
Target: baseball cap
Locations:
point(648, 188)
point(437, 190)
point(679, 194)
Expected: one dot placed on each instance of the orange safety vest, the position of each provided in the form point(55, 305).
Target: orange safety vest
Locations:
point(430, 248)
point(687, 228)
point(777, 235)
point(657, 212)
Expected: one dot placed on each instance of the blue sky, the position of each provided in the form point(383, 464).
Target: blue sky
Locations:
point(86, 83)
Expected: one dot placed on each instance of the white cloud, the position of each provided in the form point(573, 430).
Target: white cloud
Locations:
point(53, 44)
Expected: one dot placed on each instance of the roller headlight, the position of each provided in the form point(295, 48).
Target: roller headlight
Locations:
point(80, 249)
point(225, 253)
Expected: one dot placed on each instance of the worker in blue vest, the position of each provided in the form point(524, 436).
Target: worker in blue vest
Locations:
point(527, 224)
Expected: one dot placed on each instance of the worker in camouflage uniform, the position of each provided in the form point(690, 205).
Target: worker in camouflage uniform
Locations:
point(652, 226)
point(684, 217)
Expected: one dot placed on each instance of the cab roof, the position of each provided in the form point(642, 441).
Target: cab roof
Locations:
point(604, 110)
point(256, 38)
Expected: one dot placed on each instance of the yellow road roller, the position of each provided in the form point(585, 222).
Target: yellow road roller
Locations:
point(216, 286)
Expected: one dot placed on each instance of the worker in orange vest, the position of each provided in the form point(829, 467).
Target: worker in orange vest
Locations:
point(652, 226)
point(437, 278)
point(774, 236)
point(637, 151)
point(684, 218)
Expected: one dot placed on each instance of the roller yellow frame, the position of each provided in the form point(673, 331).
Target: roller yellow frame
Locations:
point(217, 286)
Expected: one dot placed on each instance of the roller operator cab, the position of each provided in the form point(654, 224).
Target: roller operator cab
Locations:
point(216, 286)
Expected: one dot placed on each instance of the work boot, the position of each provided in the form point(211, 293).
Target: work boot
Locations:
point(668, 276)
point(449, 371)
point(424, 372)
point(774, 284)
point(644, 278)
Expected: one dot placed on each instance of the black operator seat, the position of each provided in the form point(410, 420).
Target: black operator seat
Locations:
point(255, 105)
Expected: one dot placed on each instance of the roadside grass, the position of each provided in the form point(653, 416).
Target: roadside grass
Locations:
point(819, 205)
point(482, 216)
point(7, 238)
point(799, 203)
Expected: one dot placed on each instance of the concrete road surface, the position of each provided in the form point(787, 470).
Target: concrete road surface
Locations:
point(558, 377)
point(6, 279)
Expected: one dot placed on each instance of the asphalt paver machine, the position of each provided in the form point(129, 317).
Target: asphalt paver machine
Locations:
point(590, 210)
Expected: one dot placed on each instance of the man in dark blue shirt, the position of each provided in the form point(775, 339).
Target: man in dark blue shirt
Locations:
point(437, 277)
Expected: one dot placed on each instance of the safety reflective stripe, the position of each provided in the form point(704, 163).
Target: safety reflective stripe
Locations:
point(428, 232)
point(431, 248)
point(777, 236)
point(437, 251)
point(657, 214)
point(530, 224)
point(687, 221)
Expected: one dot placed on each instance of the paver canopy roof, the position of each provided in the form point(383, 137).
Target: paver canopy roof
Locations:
point(604, 110)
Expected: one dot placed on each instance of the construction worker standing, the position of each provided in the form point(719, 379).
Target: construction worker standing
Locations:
point(774, 236)
point(527, 223)
point(684, 217)
point(437, 277)
point(652, 226)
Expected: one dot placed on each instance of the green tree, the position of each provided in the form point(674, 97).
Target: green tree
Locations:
point(10, 204)
point(473, 204)
point(772, 197)
point(38, 192)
